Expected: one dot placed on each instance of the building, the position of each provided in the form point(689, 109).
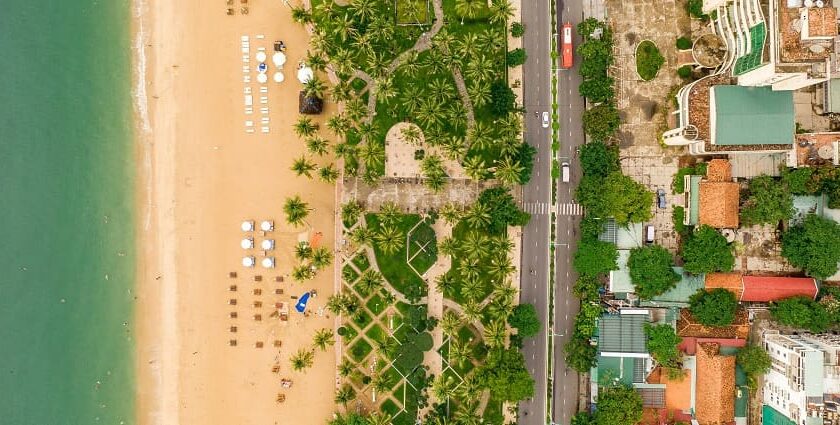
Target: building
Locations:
point(713, 199)
point(763, 288)
point(715, 399)
point(803, 383)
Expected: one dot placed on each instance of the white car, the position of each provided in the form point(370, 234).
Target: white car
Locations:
point(545, 119)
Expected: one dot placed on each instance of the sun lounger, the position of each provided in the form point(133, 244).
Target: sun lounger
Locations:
point(249, 111)
point(264, 120)
point(247, 90)
point(263, 89)
point(260, 36)
point(263, 100)
point(265, 130)
point(250, 130)
point(264, 110)
point(233, 329)
point(249, 123)
point(234, 315)
point(245, 38)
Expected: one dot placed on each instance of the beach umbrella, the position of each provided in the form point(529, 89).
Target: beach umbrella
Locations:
point(305, 74)
point(279, 59)
point(262, 68)
point(248, 226)
point(261, 57)
point(268, 262)
point(267, 226)
point(261, 78)
point(267, 244)
point(248, 261)
point(278, 77)
point(247, 243)
point(301, 304)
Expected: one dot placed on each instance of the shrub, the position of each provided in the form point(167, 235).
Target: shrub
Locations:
point(755, 362)
point(595, 257)
point(648, 60)
point(517, 29)
point(683, 43)
point(684, 72)
point(713, 308)
point(516, 57)
point(599, 159)
point(341, 331)
point(803, 313)
point(678, 216)
point(502, 98)
point(695, 9)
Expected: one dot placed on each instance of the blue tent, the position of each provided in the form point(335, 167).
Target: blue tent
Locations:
point(301, 304)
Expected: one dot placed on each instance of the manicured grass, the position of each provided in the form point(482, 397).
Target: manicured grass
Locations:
point(376, 305)
point(361, 319)
point(403, 418)
point(399, 390)
point(350, 334)
point(349, 274)
point(360, 350)
point(422, 247)
point(361, 261)
point(648, 60)
point(389, 407)
point(393, 266)
point(376, 333)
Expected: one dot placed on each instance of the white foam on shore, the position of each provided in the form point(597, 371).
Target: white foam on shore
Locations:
point(140, 97)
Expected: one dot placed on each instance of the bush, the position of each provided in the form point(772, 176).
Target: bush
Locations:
point(798, 180)
point(684, 72)
point(516, 57)
point(597, 89)
point(525, 320)
point(695, 9)
point(678, 216)
point(713, 308)
point(601, 122)
point(683, 43)
point(341, 331)
point(648, 60)
point(619, 405)
point(768, 202)
point(803, 313)
point(755, 362)
point(706, 251)
point(662, 342)
point(599, 159)
point(814, 246)
point(501, 98)
point(517, 29)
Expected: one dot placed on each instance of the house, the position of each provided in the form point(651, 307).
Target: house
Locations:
point(715, 399)
point(763, 288)
point(625, 239)
point(678, 295)
point(622, 349)
point(687, 326)
point(803, 384)
point(713, 200)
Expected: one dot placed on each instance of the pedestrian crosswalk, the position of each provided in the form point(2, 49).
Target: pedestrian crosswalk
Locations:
point(569, 209)
point(536, 207)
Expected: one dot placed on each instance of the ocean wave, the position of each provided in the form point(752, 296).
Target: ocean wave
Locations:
point(140, 97)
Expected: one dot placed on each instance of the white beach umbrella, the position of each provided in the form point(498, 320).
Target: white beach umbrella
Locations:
point(267, 244)
point(268, 262)
point(305, 74)
point(278, 77)
point(267, 225)
point(262, 78)
point(248, 261)
point(248, 226)
point(279, 58)
point(261, 57)
point(247, 243)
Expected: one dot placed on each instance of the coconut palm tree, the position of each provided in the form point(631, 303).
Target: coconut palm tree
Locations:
point(475, 167)
point(343, 60)
point(500, 11)
point(470, 389)
point(480, 68)
point(385, 90)
point(317, 145)
point(363, 43)
point(340, 92)
point(345, 394)
point(459, 353)
point(479, 136)
point(467, 45)
point(479, 92)
point(321, 257)
point(373, 154)
point(315, 87)
point(363, 9)
point(303, 167)
point(474, 245)
point(296, 210)
point(430, 112)
point(432, 166)
point(387, 348)
point(447, 246)
point(500, 307)
point(500, 267)
point(502, 243)
point(472, 289)
point(410, 66)
point(302, 359)
point(411, 134)
point(323, 338)
point(433, 62)
point(376, 63)
point(450, 322)
point(454, 148)
point(301, 15)
point(508, 172)
point(370, 281)
point(436, 182)
point(467, 414)
point(362, 236)
point(338, 124)
point(510, 125)
point(345, 151)
point(302, 272)
point(316, 60)
point(389, 213)
point(303, 251)
point(443, 387)
point(469, 8)
point(381, 28)
point(328, 174)
point(343, 27)
point(494, 334)
point(368, 131)
point(325, 8)
point(411, 99)
point(445, 283)
point(509, 146)
point(471, 310)
point(345, 368)
point(469, 271)
point(478, 216)
point(441, 90)
point(381, 382)
point(504, 290)
point(320, 42)
point(493, 38)
point(304, 127)
point(379, 418)
point(451, 213)
point(390, 239)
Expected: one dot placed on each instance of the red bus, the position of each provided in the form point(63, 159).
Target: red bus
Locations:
point(568, 52)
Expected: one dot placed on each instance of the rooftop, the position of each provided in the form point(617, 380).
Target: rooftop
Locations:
point(688, 327)
point(719, 170)
point(773, 288)
point(728, 281)
point(805, 33)
point(819, 148)
point(678, 295)
point(622, 333)
point(771, 416)
point(719, 204)
point(751, 116)
point(715, 402)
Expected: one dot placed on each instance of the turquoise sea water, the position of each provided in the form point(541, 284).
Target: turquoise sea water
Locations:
point(66, 219)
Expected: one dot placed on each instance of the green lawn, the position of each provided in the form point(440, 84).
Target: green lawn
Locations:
point(393, 266)
point(493, 413)
point(350, 334)
point(648, 60)
point(459, 233)
point(389, 407)
point(360, 350)
point(361, 261)
point(376, 305)
point(361, 319)
point(376, 333)
point(422, 247)
point(413, 12)
point(349, 274)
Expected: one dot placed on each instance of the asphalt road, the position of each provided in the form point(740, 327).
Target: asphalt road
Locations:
point(536, 16)
point(566, 306)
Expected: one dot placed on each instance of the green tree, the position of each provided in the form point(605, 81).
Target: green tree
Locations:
point(580, 353)
point(305, 127)
point(598, 89)
point(321, 257)
point(662, 342)
point(582, 418)
point(617, 196)
point(516, 57)
point(328, 174)
point(469, 8)
point(517, 29)
point(599, 159)
point(315, 87)
point(501, 210)
point(345, 394)
point(505, 375)
point(317, 145)
point(803, 313)
point(323, 338)
point(706, 251)
point(685, 71)
point(302, 359)
point(525, 320)
point(713, 308)
point(303, 167)
point(369, 281)
point(296, 210)
point(525, 156)
point(768, 202)
point(798, 180)
point(601, 122)
point(390, 239)
point(501, 98)
point(813, 245)
point(651, 271)
point(755, 362)
point(683, 43)
point(619, 405)
point(595, 257)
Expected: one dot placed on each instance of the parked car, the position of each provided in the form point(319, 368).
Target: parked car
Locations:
point(660, 198)
point(545, 119)
point(649, 234)
point(564, 172)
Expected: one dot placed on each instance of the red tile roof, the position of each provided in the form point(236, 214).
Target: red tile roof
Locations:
point(773, 288)
point(715, 400)
point(689, 343)
point(729, 281)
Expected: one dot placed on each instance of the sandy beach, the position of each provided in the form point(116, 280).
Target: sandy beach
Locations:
point(200, 176)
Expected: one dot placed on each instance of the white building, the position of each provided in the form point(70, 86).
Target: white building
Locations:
point(804, 380)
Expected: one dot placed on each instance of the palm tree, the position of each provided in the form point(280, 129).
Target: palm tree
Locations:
point(381, 382)
point(493, 38)
point(459, 353)
point(480, 68)
point(430, 112)
point(511, 125)
point(411, 134)
point(450, 322)
point(328, 174)
point(368, 131)
point(479, 136)
point(508, 172)
point(301, 15)
point(466, 414)
point(323, 338)
point(471, 310)
point(469, 271)
point(356, 109)
point(343, 60)
point(502, 243)
point(447, 246)
point(316, 60)
point(379, 418)
point(338, 124)
point(467, 45)
point(345, 368)
point(343, 27)
point(474, 245)
point(296, 210)
point(363, 9)
point(390, 240)
point(445, 283)
point(387, 348)
point(314, 88)
point(451, 213)
point(304, 127)
point(411, 99)
point(475, 168)
point(501, 267)
point(441, 90)
point(325, 8)
point(364, 43)
point(345, 394)
point(431, 166)
point(443, 387)
point(376, 62)
point(303, 251)
point(478, 216)
point(302, 359)
point(389, 213)
point(362, 236)
point(500, 11)
point(340, 92)
point(454, 147)
point(472, 288)
point(470, 389)
point(504, 290)
point(494, 334)
point(410, 66)
point(385, 89)
point(321, 257)
point(468, 8)
point(501, 307)
point(443, 40)
point(303, 167)
point(509, 146)
point(370, 281)
point(302, 272)
point(479, 92)
point(317, 145)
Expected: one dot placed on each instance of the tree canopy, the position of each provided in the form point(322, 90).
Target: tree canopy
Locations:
point(599, 159)
point(803, 313)
point(503, 210)
point(713, 308)
point(813, 245)
point(706, 251)
point(754, 361)
point(594, 257)
point(525, 320)
point(619, 405)
point(651, 270)
point(662, 342)
point(617, 196)
point(601, 122)
point(501, 98)
point(505, 375)
point(768, 202)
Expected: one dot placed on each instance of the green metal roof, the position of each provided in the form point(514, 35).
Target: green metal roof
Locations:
point(752, 116)
point(614, 370)
point(752, 60)
point(771, 416)
point(620, 282)
point(622, 333)
point(694, 199)
point(678, 295)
